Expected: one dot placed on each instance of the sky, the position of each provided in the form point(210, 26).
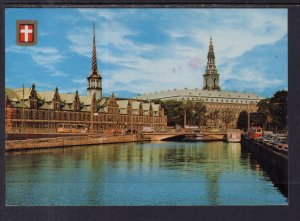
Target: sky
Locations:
point(142, 50)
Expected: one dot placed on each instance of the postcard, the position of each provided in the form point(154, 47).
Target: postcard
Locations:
point(146, 106)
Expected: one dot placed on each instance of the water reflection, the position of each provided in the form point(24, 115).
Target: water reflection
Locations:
point(159, 173)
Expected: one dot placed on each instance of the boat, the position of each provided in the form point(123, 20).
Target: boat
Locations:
point(255, 132)
point(233, 135)
point(199, 136)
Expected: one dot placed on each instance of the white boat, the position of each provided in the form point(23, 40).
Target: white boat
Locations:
point(199, 137)
point(234, 135)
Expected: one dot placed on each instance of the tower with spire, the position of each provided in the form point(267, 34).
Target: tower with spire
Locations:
point(94, 78)
point(211, 76)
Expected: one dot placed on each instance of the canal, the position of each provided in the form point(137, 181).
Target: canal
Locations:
point(156, 173)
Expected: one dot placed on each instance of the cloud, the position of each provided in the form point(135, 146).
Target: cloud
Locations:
point(46, 57)
point(233, 37)
point(178, 60)
point(252, 80)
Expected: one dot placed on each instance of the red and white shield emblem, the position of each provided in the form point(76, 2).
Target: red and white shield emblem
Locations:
point(26, 31)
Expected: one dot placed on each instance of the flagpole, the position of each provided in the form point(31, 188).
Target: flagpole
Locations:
point(22, 116)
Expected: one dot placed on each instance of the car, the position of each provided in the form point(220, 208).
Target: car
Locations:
point(131, 131)
point(148, 129)
point(281, 143)
point(268, 139)
point(285, 149)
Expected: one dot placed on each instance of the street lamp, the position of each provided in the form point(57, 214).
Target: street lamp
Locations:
point(184, 119)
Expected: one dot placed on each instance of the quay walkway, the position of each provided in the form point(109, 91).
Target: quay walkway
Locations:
point(68, 141)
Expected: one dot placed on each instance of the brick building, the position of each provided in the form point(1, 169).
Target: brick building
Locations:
point(29, 110)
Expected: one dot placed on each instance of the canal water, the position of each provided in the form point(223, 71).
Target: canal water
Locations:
point(156, 173)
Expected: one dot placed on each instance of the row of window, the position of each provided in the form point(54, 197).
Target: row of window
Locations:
point(98, 126)
point(212, 100)
point(64, 115)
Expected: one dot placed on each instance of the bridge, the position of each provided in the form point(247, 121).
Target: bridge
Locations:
point(163, 136)
point(207, 136)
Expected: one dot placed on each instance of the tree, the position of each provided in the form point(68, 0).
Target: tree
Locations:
point(195, 112)
point(173, 110)
point(214, 117)
point(264, 107)
point(279, 110)
point(227, 116)
point(274, 110)
point(200, 114)
point(242, 121)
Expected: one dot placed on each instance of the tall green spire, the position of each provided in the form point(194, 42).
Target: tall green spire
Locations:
point(211, 76)
point(94, 54)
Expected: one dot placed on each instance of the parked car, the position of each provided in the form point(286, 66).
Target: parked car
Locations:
point(148, 130)
point(268, 139)
point(281, 143)
point(118, 131)
point(131, 131)
point(285, 149)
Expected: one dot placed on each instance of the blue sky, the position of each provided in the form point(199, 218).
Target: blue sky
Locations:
point(147, 50)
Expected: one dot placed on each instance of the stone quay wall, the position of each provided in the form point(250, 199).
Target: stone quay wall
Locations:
point(270, 159)
point(70, 141)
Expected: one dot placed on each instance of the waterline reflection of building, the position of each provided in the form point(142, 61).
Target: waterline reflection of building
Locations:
point(107, 172)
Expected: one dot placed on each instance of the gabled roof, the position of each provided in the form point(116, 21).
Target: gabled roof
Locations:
point(146, 106)
point(19, 105)
point(122, 104)
point(16, 94)
point(46, 106)
point(66, 107)
point(135, 104)
point(47, 95)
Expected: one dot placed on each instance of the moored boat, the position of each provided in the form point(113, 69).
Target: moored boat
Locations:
point(233, 135)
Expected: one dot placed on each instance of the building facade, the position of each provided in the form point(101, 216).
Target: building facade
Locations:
point(29, 110)
point(211, 94)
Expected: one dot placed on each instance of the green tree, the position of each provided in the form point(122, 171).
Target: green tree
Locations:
point(214, 117)
point(279, 110)
point(200, 114)
point(264, 108)
point(274, 111)
point(174, 112)
point(195, 112)
point(227, 116)
point(242, 121)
